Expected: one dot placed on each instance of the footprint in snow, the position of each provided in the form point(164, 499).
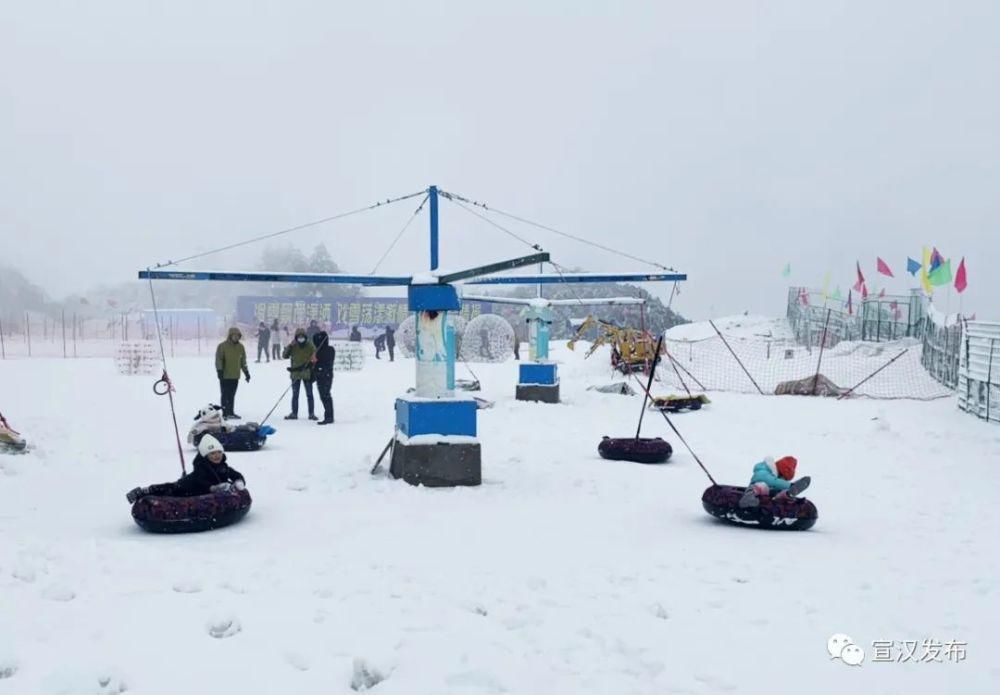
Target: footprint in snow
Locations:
point(297, 661)
point(660, 612)
point(221, 629)
point(111, 686)
point(58, 592)
point(8, 668)
point(25, 574)
point(187, 587)
point(297, 486)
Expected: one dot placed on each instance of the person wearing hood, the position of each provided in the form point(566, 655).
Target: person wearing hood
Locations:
point(323, 371)
point(301, 352)
point(313, 329)
point(773, 479)
point(275, 340)
point(209, 474)
point(230, 360)
point(263, 338)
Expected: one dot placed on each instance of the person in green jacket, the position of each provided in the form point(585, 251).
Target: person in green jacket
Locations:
point(230, 360)
point(302, 353)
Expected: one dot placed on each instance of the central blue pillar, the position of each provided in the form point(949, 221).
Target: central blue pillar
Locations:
point(433, 195)
point(436, 441)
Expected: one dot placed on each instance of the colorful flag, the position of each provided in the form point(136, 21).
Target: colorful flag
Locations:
point(924, 268)
point(881, 293)
point(961, 282)
point(826, 286)
point(861, 279)
point(912, 266)
point(804, 296)
point(787, 271)
point(936, 260)
point(940, 275)
point(837, 296)
point(883, 267)
point(849, 308)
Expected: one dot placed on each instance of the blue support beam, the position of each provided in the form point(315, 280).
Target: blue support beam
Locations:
point(264, 276)
point(548, 279)
point(433, 194)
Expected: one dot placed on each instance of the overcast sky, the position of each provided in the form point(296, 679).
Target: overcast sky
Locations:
point(723, 139)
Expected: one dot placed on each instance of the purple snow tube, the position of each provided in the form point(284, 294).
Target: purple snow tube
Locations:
point(786, 513)
point(164, 514)
point(642, 450)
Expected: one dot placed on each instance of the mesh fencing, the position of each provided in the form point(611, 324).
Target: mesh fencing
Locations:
point(886, 370)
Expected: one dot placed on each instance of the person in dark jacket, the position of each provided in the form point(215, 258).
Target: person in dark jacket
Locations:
point(230, 360)
point(323, 373)
point(313, 329)
point(275, 340)
point(210, 473)
point(300, 351)
point(355, 335)
point(263, 338)
point(379, 346)
point(390, 342)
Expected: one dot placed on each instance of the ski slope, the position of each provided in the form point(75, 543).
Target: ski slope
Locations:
point(562, 573)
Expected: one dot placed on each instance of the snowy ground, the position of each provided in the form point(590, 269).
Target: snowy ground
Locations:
point(562, 573)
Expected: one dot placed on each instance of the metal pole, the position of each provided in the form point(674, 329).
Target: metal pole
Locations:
point(851, 390)
point(738, 361)
point(652, 373)
point(989, 379)
point(822, 345)
point(3, 348)
point(27, 331)
point(433, 194)
point(64, 332)
point(75, 331)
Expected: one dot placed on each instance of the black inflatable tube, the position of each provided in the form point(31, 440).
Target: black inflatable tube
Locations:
point(790, 514)
point(642, 450)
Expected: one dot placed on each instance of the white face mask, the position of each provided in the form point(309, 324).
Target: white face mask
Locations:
point(301, 339)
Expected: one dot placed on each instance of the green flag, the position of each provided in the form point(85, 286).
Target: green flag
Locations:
point(836, 295)
point(787, 271)
point(940, 275)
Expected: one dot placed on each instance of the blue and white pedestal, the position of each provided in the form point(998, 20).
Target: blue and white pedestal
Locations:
point(436, 442)
point(538, 382)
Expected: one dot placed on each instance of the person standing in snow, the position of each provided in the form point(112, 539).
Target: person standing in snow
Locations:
point(313, 329)
point(230, 360)
point(275, 340)
point(379, 346)
point(355, 335)
point(300, 351)
point(263, 338)
point(323, 371)
point(209, 473)
point(773, 479)
point(390, 342)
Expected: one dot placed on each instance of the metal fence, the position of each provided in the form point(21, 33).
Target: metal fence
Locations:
point(978, 377)
point(884, 318)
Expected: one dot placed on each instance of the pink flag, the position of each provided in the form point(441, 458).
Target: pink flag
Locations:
point(849, 309)
point(861, 279)
point(881, 292)
point(961, 282)
point(883, 267)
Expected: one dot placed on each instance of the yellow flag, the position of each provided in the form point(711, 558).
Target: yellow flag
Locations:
point(826, 286)
point(924, 279)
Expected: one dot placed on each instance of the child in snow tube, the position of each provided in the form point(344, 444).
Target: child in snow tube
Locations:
point(10, 440)
point(246, 437)
point(773, 479)
point(210, 473)
point(210, 496)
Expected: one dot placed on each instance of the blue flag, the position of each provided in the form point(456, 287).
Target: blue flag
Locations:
point(912, 266)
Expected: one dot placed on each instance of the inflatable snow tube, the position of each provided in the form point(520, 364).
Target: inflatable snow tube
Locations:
point(243, 438)
point(162, 514)
point(788, 514)
point(642, 450)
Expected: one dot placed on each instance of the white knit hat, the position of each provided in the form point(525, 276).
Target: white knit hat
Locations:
point(209, 444)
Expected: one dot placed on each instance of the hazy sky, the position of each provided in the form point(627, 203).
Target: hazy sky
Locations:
point(721, 138)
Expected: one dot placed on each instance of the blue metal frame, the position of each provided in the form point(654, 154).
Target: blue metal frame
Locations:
point(432, 192)
point(264, 276)
point(577, 277)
